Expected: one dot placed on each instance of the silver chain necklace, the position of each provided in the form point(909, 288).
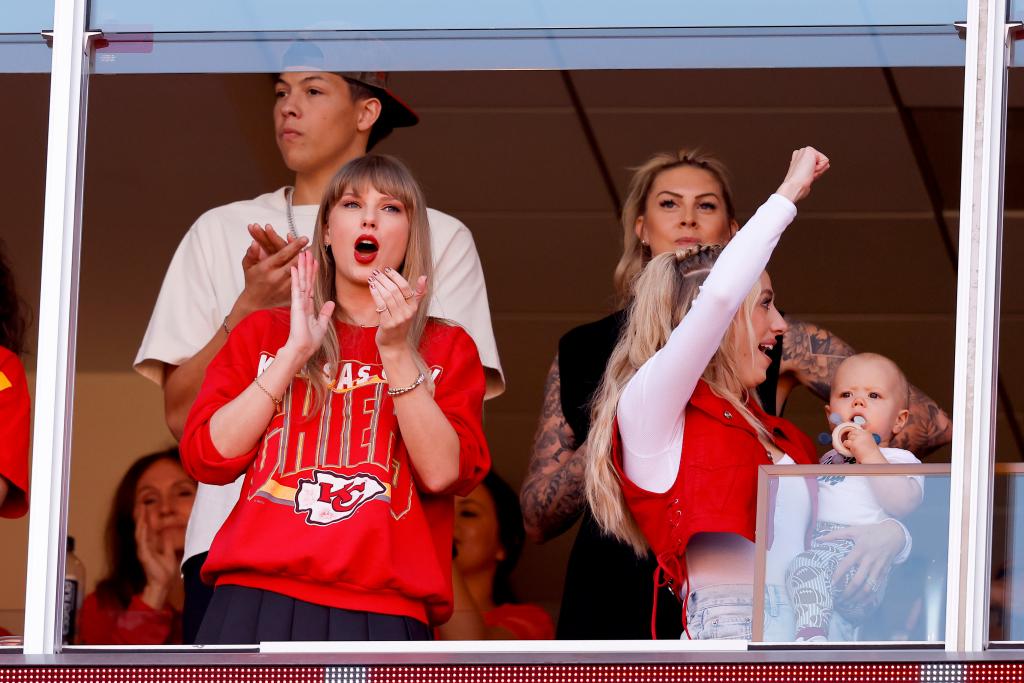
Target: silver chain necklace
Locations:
point(289, 191)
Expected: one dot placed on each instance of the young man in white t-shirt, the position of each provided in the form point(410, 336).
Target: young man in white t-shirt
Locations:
point(235, 260)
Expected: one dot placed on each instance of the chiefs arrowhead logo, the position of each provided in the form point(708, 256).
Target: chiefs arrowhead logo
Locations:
point(328, 498)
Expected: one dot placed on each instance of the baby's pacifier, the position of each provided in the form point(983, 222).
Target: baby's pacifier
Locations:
point(841, 430)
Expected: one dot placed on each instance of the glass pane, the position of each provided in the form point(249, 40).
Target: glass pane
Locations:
point(319, 15)
point(26, 16)
point(1005, 617)
point(520, 157)
point(133, 51)
point(832, 581)
point(22, 46)
point(23, 177)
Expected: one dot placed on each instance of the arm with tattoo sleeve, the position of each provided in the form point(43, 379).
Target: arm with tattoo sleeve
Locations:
point(552, 495)
point(811, 354)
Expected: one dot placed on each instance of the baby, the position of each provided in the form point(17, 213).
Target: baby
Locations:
point(870, 390)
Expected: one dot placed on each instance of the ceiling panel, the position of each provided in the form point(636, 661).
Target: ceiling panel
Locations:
point(941, 131)
point(733, 88)
point(1015, 82)
point(851, 265)
point(428, 91)
point(872, 166)
point(491, 160)
point(1011, 361)
point(547, 264)
point(527, 348)
point(1015, 156)
point(931, 87)
point(1013, 275)
point(1006, 445)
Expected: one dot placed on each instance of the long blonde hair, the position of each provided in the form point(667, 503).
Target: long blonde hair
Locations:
point(388, 176)
point(634, 253)
point(664, 292)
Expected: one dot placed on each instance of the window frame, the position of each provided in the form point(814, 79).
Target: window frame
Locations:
point(976, 352)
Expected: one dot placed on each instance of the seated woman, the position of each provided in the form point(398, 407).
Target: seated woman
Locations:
point(355, 419)
point(678, 432)
point(139, 601)
point(487, 542)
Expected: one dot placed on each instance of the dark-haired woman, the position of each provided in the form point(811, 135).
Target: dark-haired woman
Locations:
point(139, 600)
point(14, 400)
point(487, 543)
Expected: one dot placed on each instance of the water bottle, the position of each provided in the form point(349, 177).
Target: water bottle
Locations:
point(74, 588)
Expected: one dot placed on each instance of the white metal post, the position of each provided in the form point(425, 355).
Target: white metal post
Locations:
point(977, 326)
point(58, 304)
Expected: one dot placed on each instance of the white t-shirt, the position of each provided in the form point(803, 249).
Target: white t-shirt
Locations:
point(205, 278)
point(849, 500)
point(792, 515)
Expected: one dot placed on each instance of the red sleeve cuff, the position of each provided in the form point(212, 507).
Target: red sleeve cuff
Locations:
point(205, 463)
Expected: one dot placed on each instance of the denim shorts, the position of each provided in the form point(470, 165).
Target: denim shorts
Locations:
point(725, 611)
point(721, 612)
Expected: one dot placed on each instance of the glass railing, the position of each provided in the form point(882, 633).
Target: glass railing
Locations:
point(826, 570)
point(322, 15)
point(136, 51)
point(1006, 612)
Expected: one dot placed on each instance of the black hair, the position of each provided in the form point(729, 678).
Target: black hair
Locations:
point(511, 534)
point(13, 312)
point(359, 92)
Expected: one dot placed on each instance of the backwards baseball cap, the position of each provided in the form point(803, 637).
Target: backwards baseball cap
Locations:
point(306, 55)
point(394, 113)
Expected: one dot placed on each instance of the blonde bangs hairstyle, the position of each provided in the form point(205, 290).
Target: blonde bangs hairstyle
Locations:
point(664, 292)
point(634, 253)
point(388, 176)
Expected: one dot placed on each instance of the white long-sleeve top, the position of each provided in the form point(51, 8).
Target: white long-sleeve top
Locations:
point(652, 407)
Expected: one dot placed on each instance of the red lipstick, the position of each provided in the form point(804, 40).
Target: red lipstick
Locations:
point(366, 248)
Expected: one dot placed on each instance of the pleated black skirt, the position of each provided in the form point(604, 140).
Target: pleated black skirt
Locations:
point(238, 616)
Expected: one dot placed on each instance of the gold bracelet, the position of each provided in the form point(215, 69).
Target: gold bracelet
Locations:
point(405, 390)
point(277, 401)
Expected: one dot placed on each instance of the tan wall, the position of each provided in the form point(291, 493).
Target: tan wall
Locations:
point(118, 417)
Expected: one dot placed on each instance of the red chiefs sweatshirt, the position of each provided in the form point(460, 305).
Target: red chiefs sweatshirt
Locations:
point(14, 434)
point(330, 512)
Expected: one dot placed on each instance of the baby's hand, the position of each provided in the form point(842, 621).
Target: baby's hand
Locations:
point(862, 444)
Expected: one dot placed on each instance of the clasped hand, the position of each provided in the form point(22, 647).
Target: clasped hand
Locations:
point(397, 303)
point(266, 267)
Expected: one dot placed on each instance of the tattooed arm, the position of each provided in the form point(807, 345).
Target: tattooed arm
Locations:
point(552, 495)
point(810, 356)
